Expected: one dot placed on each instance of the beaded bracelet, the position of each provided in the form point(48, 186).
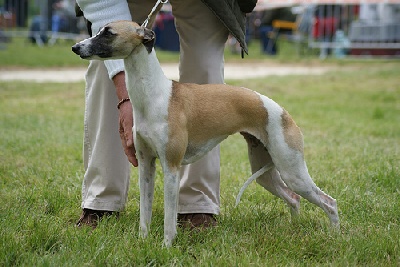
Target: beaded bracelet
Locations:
point(121, 102)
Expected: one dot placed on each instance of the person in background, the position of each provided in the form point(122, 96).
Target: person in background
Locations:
point(203, 28)
point(63, 19)
point(268, 16)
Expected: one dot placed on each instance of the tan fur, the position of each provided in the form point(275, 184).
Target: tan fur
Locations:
point(191, 119)
point(292, 134)
point(201, 112)
point(131, 30)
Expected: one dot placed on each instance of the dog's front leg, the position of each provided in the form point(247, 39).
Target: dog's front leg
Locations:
point(147, 169)
point(171, 193)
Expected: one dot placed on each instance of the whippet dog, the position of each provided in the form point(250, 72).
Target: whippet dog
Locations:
point(180, 122)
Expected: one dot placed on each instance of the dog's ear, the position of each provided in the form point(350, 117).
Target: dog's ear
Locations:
point(149, 38)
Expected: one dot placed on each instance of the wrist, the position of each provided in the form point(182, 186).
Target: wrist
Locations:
point(122, 101)
point(120, 86)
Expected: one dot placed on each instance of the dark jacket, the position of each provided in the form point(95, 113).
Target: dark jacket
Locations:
point(232, 14)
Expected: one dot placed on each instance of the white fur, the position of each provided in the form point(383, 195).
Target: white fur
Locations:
point(277, 166)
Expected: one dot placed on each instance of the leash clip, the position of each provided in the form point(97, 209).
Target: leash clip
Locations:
point(144, 24)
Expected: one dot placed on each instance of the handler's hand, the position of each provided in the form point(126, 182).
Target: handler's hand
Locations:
point(125, 119)
point(125, 132)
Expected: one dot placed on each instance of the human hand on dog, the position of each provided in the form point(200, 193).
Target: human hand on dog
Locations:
point(125, 132)
point(125, 119)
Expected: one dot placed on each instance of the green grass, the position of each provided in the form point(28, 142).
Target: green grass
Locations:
point(60, 55)
point(351, 125)
point(20, 53)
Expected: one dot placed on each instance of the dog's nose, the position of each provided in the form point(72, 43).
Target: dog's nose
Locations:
point(75, 48)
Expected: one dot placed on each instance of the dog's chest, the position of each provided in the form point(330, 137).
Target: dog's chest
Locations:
point(153, 130)
point(150, 110)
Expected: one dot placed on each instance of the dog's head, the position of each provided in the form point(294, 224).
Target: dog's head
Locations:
point(116, 40)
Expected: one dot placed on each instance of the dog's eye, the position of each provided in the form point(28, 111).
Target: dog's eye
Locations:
point(107, 32)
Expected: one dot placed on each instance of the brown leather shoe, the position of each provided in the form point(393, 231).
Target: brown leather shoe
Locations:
point(198, 221)
point(92, 217)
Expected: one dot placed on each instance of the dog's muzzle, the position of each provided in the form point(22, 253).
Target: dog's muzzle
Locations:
point(88, 50)
point(77, 49)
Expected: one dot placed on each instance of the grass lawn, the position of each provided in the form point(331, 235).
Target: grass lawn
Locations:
point(351, 125)
point(60, 55)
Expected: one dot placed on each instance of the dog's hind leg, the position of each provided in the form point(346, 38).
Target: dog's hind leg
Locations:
point(270, 180)
point(301, 183)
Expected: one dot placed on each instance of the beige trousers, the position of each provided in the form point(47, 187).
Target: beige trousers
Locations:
point(107, 170)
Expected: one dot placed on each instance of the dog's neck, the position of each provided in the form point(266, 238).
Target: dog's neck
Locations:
point(145, 78)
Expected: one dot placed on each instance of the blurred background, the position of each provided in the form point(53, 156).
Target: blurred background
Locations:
point(332, 28)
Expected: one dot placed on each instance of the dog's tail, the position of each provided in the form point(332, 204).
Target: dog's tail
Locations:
point(251, 179)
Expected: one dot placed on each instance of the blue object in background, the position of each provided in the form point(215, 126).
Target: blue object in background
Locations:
point(167, 37)
point(268, 45)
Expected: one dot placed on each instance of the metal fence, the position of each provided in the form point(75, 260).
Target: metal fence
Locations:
point(346, 26)
point(357, 29)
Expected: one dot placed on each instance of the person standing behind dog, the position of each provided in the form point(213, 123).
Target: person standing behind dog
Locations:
point(203, 28)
